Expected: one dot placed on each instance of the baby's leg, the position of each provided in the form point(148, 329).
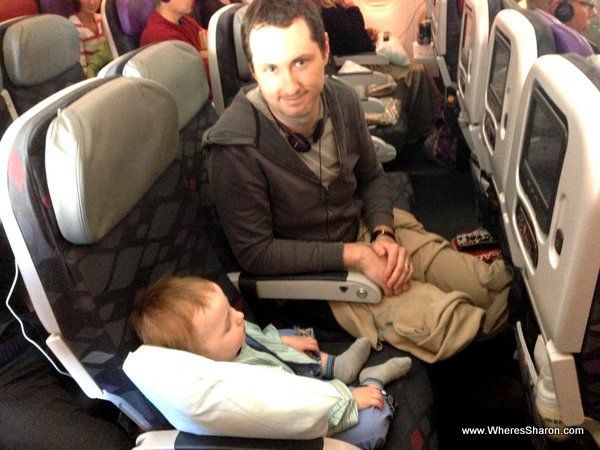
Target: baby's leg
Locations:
point(345, 367)
point(384, 373)
point(372, 427)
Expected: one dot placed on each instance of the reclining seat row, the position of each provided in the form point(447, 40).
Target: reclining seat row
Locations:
point(84, 259)
point(516, 44)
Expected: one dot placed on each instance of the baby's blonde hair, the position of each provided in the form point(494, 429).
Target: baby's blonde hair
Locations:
point(162, 316)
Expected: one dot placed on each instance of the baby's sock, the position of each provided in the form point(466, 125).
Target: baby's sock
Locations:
point(382, 374)
point(347, 365)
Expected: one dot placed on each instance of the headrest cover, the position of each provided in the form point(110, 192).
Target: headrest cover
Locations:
point(39, 48)
point(242, 62)
point(104, 151)
point(61, 7)
point(178, 67)
point(566, 39)
point(133, 15)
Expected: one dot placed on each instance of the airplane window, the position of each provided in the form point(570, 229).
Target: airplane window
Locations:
point(498, 73)
point(544, 149)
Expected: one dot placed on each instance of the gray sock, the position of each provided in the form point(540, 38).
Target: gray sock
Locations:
point(382, 374)
point(348, 364)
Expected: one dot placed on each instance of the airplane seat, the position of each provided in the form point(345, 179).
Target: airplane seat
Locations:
point(515, 45)
point(63, 8)
point(477, 21)
point(445, 34)
point(39, 56)
point(87, 242)
point(123, 22)
point(553, 202)
point(15, 8)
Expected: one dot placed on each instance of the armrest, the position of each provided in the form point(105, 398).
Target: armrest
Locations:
point(342, 286)
point(362, 59)
point(173, 439)
point(354, 79)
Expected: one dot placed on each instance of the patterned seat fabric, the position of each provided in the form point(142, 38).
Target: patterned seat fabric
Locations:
point(90, 288)
point(63, 8)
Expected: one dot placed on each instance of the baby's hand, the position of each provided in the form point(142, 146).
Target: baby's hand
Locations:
point(367, 396)
point(303, 344)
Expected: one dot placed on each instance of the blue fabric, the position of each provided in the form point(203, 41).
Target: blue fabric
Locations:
point(372, 427)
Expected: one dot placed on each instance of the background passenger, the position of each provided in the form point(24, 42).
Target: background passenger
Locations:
point(576, 14)
point(92, 42)
point(171, 20)
point(192, 314)
point(345, 27)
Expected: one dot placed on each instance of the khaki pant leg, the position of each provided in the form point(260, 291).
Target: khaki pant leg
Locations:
point(436, 262)
point(425, 321)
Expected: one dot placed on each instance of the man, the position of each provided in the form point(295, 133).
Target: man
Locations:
point(171, 20)
point(576, 14)
point(292, 169)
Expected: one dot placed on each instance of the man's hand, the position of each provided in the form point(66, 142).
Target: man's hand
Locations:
point(361, 256)
point(302, 344)
point(399, 268)
point(367, 396)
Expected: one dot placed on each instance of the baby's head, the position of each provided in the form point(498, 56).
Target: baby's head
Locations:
point(191, 314)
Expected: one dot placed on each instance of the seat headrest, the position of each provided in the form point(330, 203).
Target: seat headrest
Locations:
point(104, 151)
point(133, 15)
point(242, 63)
point(16, 8)
point(60, 7)
point(566, 39)
point(39, 48)
point(179, 68)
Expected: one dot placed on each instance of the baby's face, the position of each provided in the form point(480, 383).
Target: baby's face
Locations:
point(220, 329)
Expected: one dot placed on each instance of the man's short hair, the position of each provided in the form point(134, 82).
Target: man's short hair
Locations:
point(162, 316)
point(281, 14)
point(76, 5)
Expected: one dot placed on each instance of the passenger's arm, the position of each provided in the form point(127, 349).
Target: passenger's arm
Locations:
point(241, 194)
point(375, 190)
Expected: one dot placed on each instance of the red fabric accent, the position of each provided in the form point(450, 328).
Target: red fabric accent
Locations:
point(16, 170)
point(160, 29)
point(16, 8)
point(416, 440)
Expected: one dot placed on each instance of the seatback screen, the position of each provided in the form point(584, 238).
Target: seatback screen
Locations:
point(466, 41)
point(498, 73)
point(544, 148)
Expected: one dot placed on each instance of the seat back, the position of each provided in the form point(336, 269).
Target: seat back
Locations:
point(123, 22)
point(445, 31)
point(516, 46)
point(229, 69)
point(477, 19)
point(63, 8)
point(16, 8)
point(39, 56)
point(553, 200)
point(177, 66)
point(86, 242)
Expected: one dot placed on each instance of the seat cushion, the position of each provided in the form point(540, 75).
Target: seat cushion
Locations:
point(133, 15)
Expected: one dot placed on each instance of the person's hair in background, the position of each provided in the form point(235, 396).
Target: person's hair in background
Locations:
point(281, 14)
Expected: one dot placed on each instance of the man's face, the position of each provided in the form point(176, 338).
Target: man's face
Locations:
point(583, 12)
point(179, 7)
point(220, 330)
point(289, 68)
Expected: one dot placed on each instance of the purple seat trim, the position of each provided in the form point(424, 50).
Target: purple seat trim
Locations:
point(566, 39)
point(133, 15)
